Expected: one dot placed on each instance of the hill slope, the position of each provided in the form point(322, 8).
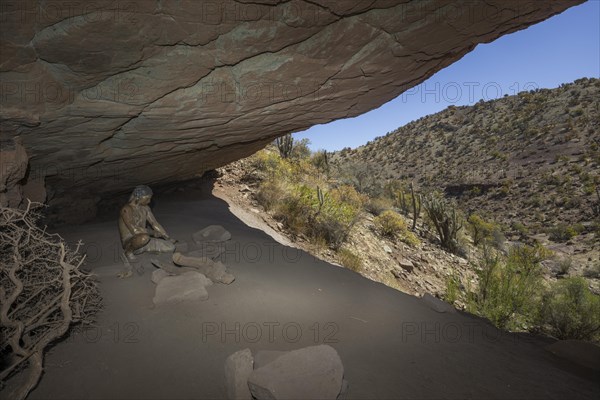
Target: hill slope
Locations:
point(530, 161)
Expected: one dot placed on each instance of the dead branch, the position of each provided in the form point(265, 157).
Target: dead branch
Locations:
point(43, 293)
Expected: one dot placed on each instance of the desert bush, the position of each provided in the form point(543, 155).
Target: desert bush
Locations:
point(453, 286)
point(43, 293)
point(347, 194)
point(349, 259)
point(317, 215)
point(480, 229)
point(360, 175)
point(520, 228)
point(563, 232)
point(271, 164)
point(320, 159)
point(390, 224)
point(564, 265)
point(445, 219)
point(270, 192)
point(509, 288)
point(570, 310)
point(303, 171)
point(300, 149)
point(410, 238)
point(378, 205)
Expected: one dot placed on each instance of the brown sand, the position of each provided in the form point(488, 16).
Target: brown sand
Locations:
point(392, 344)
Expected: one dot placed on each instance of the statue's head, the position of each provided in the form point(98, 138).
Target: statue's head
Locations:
point(142, 194)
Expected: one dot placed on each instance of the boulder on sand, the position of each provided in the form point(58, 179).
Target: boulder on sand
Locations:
point(238, 368)
point(314, 372)
point(184, 287)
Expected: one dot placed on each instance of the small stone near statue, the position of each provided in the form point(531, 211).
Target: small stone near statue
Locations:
point(212, 233)
point(214, 270)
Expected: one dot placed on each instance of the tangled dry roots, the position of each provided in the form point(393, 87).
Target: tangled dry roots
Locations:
point(43, 293)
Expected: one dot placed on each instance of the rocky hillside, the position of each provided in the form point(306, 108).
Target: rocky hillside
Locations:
point(531, 162)
point(416, 270)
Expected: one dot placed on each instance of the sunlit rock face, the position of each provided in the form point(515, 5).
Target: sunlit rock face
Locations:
point(108, 94)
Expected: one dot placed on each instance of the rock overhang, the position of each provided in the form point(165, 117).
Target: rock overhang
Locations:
point(111, 94)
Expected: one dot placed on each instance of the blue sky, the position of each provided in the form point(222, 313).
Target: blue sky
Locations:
point(559, 50)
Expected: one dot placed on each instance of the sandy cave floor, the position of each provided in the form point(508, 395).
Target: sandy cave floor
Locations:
point(392, 345)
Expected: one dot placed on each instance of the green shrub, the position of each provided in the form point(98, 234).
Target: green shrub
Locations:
point(392, 225)
point(520, 228)
point(570, 311)
point(300, 149)
point(452, 288)
point(350, 260)
point(509, 289)
point(389, 223)
point(271, 163)
point(564, 265)
point(563, 232)
point(347, 194)
point(480, 229)
point(317, 215)
point(410, 238)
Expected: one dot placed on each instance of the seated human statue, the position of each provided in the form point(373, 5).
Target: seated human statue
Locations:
point(139, 230)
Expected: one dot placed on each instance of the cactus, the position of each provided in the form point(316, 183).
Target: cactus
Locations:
point(285, 144)
point(416, 205)
point(445, 219)
point(403, 202)
point(321, 198)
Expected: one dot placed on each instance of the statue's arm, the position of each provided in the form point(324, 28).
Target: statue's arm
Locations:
point(155, 225)
point(127, 218)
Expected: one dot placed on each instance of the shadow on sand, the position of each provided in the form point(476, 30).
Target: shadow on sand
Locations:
point(392, 345)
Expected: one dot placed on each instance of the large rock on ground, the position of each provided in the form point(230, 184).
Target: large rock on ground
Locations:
point(314, 372)
point(186, 287)
point(238, 368)
point(149, 92)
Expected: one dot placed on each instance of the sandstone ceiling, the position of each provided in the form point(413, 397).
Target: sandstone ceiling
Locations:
point(109, 94)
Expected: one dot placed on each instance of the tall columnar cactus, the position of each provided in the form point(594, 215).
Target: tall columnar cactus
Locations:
point(285, 144)
point(416, 203)
point(403, 202)
point(321, 198)
point(446, 220)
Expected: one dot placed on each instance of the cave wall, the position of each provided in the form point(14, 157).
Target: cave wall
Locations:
point(110, 94)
